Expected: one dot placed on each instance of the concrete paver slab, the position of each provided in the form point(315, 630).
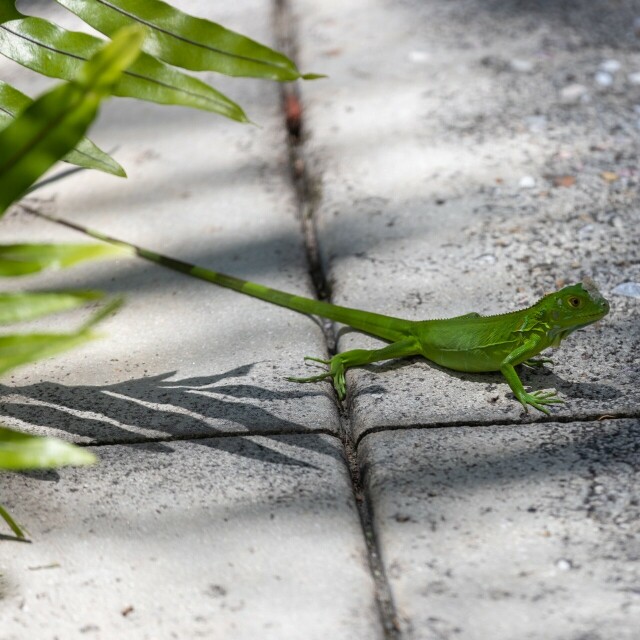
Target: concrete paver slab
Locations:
point(181, 357)
point(467, 157)
point(215, 538)
point(527, 532)
point(454, 176)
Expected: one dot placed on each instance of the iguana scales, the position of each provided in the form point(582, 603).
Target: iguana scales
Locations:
point(470, 343)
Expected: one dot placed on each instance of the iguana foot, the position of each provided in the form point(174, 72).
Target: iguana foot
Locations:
point(318, 378)
point(538, 399)
point(336, 372)
point(538, 362)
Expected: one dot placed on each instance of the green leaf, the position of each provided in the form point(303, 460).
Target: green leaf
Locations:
point(53, 51)
point(19, 450)
point(8, 11)
point(86, 154)
point(23, 348)
point(55, 122)
point(89, 156)
point(186, 41)
point(20, 307)
point(24, 259)
point(4, 514)
point(22, 451)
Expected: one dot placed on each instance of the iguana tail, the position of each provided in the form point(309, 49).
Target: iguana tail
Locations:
point(381, 326)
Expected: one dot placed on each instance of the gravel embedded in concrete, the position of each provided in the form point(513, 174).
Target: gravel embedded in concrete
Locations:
point(436, 198)
point(237, 538)
point(461, 156)
point(527, 532)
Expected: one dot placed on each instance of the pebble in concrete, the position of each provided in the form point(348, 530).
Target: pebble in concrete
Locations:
point(527, 532)
point(239, 538)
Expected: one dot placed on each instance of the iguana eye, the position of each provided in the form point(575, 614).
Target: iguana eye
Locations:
point(575, 302)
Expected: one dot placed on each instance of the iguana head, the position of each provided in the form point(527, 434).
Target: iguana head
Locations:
point(572, 308)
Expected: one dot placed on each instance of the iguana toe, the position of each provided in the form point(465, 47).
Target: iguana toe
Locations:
point(538, 399)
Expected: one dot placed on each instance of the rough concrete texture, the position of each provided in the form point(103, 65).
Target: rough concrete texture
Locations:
point(462, 155)
point(457, 171)
point(182, 356)
point(215, 538)
point(527, 531)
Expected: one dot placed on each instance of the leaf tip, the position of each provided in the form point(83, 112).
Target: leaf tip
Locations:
point(84, 457)
point(115, 169)
point(242, 117)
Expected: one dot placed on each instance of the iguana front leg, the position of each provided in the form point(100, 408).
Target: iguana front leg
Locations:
point(357, 358)
point(537, 398)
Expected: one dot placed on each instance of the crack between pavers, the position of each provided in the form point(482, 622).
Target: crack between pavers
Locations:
point(384, 597)
point(505, 422)
point(306, 188)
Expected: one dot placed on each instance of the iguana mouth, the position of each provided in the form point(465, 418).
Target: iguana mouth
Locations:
point(592, 318)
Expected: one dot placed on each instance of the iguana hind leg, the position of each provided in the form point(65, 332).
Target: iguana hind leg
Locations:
point(357, 358)
point(537, 362)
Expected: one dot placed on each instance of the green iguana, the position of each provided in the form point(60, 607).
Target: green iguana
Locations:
point(470, 343)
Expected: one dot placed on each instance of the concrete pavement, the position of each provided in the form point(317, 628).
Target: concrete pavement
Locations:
point(461, 156)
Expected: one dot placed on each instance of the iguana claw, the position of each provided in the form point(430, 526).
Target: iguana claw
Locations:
point(318, 378)
point(539, 398)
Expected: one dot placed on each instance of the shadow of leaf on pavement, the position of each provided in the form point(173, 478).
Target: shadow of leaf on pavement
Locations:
point(197, 408)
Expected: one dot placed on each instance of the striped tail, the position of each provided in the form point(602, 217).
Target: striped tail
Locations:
point(375, 324)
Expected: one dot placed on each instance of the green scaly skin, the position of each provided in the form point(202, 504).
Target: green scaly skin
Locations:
point(469, 343)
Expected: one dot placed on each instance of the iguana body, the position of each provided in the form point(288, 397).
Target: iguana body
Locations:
point(470, 343)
